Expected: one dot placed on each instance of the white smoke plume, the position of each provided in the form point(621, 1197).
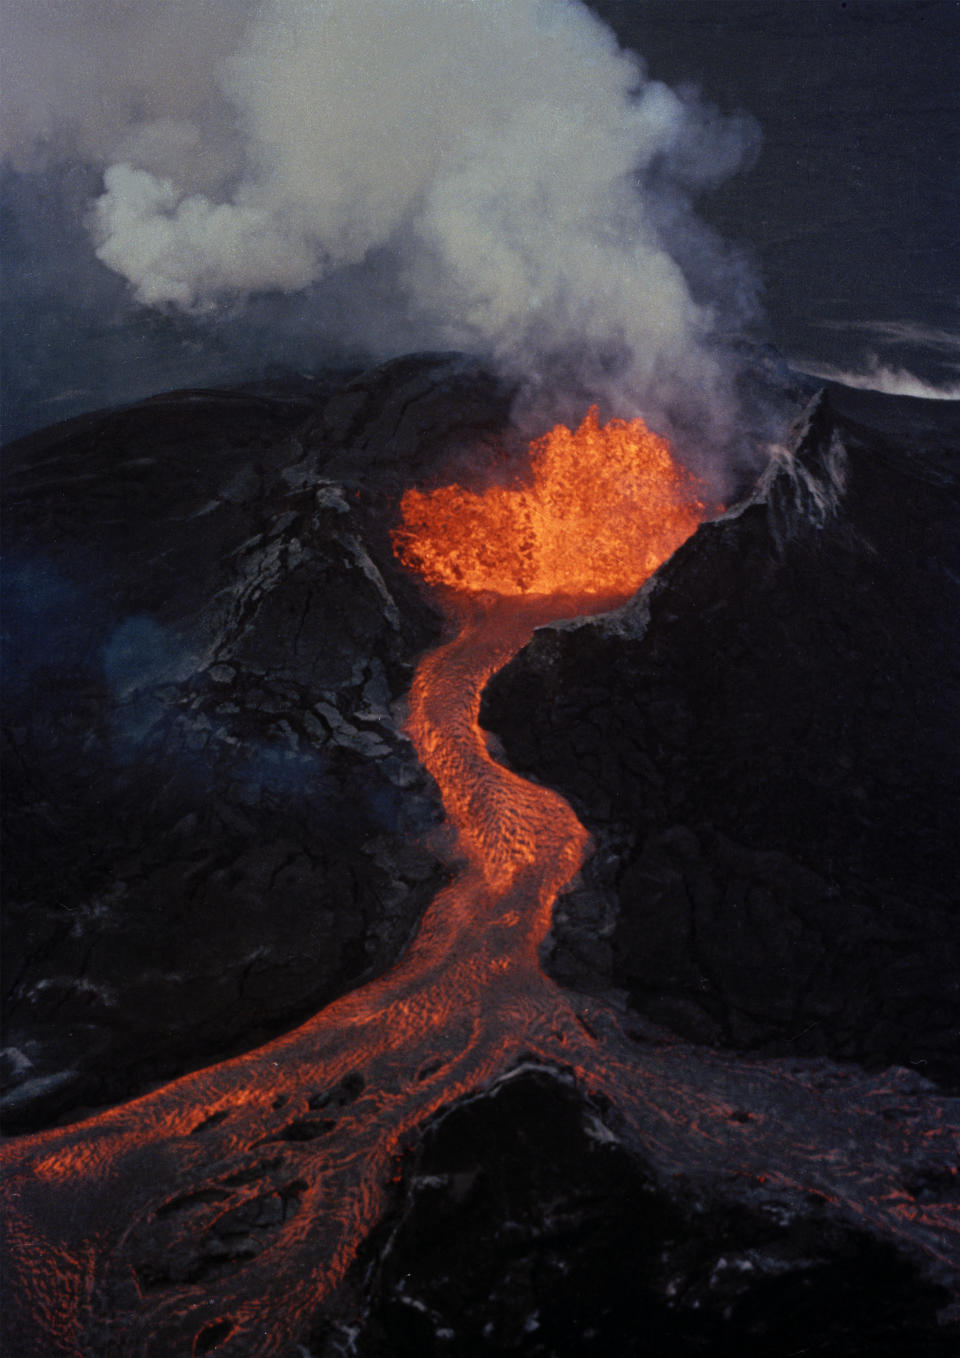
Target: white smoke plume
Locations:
point(523, 182)
point(106, 80)
point(897, 353)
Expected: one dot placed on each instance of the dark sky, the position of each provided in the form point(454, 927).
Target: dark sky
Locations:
point(854, 203)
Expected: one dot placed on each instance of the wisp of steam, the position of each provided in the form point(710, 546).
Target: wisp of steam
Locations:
point(521, 182)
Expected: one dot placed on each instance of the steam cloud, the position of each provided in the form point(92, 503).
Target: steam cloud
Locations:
point(890, 370)
point(518, 179)
point(881, 377)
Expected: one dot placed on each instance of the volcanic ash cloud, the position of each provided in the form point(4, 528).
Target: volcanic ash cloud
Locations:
point(523, 183)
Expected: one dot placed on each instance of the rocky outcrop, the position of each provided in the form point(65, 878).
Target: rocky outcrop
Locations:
point(525, 1228)
point(215, 824)
point(763, 745)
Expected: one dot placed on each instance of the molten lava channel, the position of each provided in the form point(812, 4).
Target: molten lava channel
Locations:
point(116, 1227)
point(602, 508)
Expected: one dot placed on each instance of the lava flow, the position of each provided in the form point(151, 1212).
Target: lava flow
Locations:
point(219, 1213)
point(604, 507)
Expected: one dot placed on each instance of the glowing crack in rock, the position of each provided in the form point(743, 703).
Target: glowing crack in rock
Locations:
point(116, 1227)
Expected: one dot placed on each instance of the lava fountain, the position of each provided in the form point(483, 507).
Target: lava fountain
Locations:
point(218, 1214)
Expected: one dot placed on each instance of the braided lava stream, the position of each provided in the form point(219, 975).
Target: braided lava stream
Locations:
point(217, 1214)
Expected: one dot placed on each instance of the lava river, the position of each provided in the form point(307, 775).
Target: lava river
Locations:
point(217, 1214)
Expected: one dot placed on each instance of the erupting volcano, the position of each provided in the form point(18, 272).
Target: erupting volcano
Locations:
point(117, 1224)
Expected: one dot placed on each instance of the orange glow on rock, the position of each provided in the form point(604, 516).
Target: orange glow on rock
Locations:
point(605, 505)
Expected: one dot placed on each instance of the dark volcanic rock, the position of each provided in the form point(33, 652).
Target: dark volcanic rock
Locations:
point(214, 824)
point(526, 1229)
point(764, 746)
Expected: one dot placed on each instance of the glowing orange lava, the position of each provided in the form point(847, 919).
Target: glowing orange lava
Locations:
point(119, 1230)
point(605, 505)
